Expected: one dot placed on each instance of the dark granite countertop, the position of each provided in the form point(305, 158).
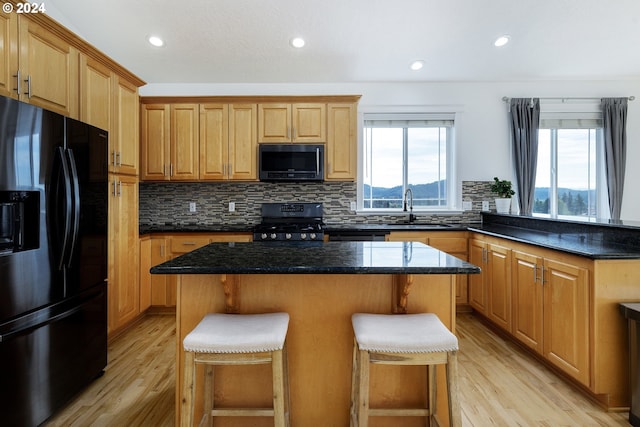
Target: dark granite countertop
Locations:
point(194, 228)
point(414, 226)
point(590, 245)
point(316, 258)
point(631, 310)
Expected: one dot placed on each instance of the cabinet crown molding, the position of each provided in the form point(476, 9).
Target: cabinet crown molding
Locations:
point(249, 99)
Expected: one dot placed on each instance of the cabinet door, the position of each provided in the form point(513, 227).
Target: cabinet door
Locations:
point(341, 153)
point(309, 123)
point(184, 151)
point(145, 276)
point(499, 285)
point(96, 98)
point(8, 54)
point(526, 291)
point(566, 318)
point(274, 122)
point(48, 70)
point(126, 130)
point(214, 141)
point(159, 282)
point(123, 266)
point(243, 144)
point(477, 288)
point(155, 142)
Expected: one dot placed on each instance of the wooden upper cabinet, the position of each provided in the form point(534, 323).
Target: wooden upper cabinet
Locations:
point(300, 123)
point(48, 67)
point(228, 143)
point(243, 147)
point(154, 142)
point(111, 103)
point(169, 140)
point(124, 138)
point(214, 141)
point(341, 154)
point(184, 150)
point(96, 93)
point(8, 54)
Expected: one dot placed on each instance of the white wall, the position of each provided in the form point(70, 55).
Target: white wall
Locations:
point(482, 130)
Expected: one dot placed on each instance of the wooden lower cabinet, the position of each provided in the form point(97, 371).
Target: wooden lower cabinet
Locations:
point(526, 291)
point(490, 291)
point(164, 247)
point(477, 283)
point(542, 300)
point(123, 266)
point(566, 318)
point(145, 279)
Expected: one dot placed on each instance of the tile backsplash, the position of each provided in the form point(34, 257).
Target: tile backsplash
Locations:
point(168, 203)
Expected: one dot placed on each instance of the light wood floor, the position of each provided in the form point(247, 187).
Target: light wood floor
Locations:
point(500, 385)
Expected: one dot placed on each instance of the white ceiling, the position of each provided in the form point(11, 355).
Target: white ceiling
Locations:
point(247, 41)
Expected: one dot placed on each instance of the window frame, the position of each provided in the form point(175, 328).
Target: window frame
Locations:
point(575, 113)
point(419, 113)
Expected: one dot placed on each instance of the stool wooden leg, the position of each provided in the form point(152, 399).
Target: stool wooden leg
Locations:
point(278, 389)
point(287, 400)
point(208, 394)
point(431, 394)
point(363, 388)
point(355, 386)
point(188, 385)
point(455, 417)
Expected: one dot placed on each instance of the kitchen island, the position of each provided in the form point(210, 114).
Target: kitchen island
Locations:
point(320, 285)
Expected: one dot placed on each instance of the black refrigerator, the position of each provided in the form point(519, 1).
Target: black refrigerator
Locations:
point(53, 260)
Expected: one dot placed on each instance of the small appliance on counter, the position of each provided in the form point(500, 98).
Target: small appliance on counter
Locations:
point(290, 221)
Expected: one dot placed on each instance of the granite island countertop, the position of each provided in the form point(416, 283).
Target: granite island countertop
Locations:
point(316, 258)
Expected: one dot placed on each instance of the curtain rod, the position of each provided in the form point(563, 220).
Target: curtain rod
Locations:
point(567, 98)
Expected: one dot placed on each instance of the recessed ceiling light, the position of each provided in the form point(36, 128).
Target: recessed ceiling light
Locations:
point(156, 41)
point(501, 41)
point(417, 65)
point(297, 42)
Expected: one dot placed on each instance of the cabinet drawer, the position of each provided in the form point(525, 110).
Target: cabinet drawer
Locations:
point(181, 245)
point(449, 244)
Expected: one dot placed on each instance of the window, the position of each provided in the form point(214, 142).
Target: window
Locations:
point(403, 151)
point(569, 176)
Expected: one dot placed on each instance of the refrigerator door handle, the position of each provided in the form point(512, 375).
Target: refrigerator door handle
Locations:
point(66, 185)
point(75, 213)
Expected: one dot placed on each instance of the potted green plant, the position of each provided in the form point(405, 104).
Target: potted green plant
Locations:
point(503, 190)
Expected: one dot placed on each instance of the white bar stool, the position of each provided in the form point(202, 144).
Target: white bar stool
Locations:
point(402, 339)
point(236, 339)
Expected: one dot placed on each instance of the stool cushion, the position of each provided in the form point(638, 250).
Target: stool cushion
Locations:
point(402, 333)
point(238, 333)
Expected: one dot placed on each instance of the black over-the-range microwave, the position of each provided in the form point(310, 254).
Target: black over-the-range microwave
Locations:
point(291, 162)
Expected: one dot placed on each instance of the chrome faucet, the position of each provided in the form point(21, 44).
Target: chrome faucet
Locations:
point(409, 191)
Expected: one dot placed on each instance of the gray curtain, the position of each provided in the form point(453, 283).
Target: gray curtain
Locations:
point(525, 121)
point(614, 116)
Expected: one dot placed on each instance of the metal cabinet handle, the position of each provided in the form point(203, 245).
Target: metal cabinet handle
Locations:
point(17, 76)
point(189, 243)
point(28, 81)
point(119, 163)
